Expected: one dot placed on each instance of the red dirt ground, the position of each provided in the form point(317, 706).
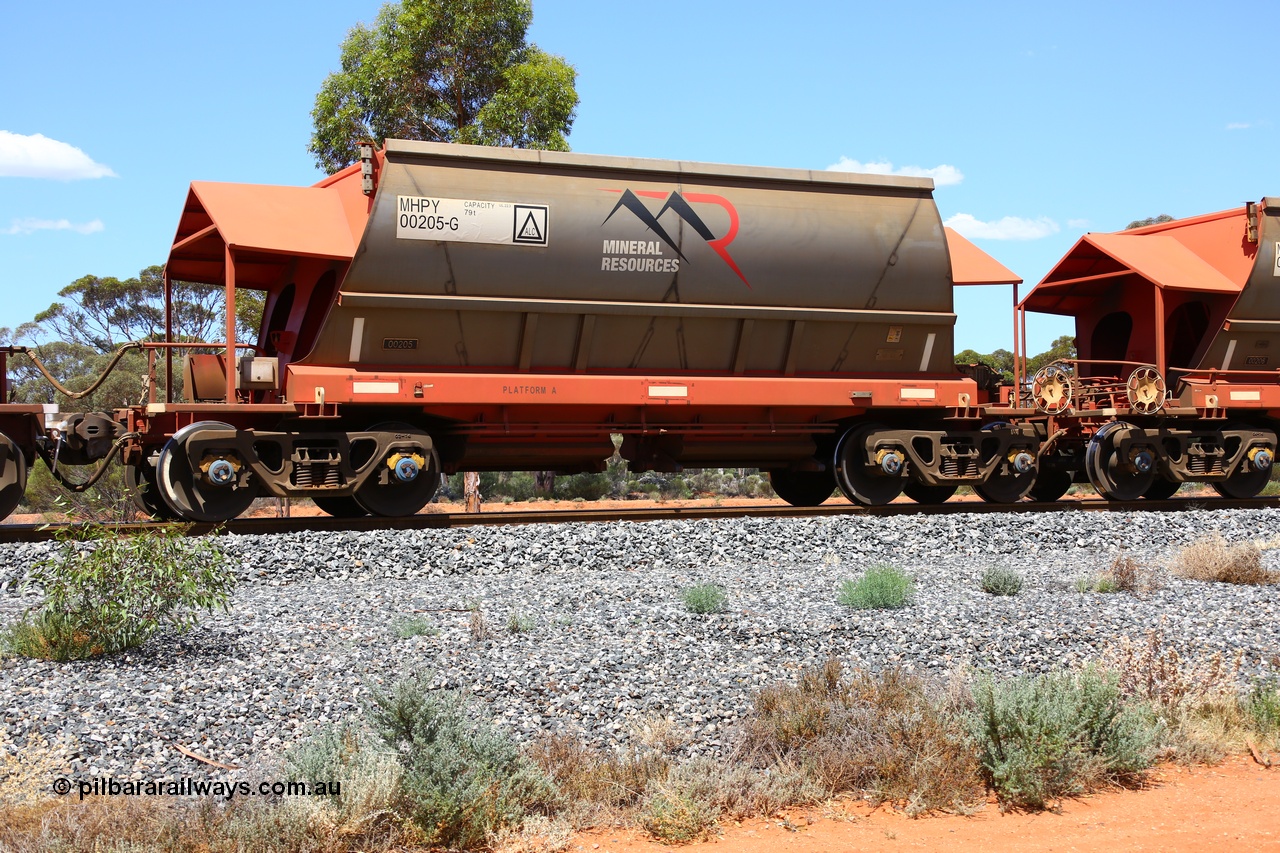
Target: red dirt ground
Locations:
point(1231, 807)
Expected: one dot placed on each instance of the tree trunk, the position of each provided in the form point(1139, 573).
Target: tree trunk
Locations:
point(544, 484)
point(471, 490)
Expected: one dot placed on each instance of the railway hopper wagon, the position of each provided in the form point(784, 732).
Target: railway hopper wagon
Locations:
point(437, 308)
point(1178, 371)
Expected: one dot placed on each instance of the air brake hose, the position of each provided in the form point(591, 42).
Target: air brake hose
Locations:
point(71, 485)
point(77, 395)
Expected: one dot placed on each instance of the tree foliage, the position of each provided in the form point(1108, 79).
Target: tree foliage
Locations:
point(1002, 360)
point(76, 337)
point(444, 71)
point(104, 312)
point(1150, 220)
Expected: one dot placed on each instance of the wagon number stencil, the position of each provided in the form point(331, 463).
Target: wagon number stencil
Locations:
point(460, 220)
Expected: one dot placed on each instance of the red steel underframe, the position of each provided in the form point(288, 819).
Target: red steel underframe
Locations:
point(557, 395)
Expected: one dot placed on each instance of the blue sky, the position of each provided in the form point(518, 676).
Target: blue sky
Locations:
point(1041, 121)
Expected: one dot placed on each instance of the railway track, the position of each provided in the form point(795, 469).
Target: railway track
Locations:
point(440, 520)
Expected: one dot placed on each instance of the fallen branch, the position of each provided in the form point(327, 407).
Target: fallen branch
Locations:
point(198, 757)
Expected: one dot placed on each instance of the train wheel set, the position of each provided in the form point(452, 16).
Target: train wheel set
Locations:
point(442, 308)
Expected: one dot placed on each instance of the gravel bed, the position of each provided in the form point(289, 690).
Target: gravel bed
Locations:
point(609, 646)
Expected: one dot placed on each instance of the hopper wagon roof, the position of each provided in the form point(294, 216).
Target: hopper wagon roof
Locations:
point(265, 226)
point(970, 265)
point(1207, 254)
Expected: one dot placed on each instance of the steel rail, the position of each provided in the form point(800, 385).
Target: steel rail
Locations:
point(10, 533)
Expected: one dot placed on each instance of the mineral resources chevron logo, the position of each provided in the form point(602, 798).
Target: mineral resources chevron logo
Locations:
point(681, 205)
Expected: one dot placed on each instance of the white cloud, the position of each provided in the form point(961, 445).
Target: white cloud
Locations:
point(30, 225)
point(1239, 125)
point(38, 156)
point(1007, 228)
point(942, 175)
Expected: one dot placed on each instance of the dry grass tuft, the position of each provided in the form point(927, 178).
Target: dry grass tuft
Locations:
point(891, 736)
point(1154, 671)
point(1214, 559)
point(1196, 698)
point(1125, 574)
point(538, 834)
point(597, 784)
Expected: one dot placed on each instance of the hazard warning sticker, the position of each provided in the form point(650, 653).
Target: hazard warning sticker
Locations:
point(470, 221)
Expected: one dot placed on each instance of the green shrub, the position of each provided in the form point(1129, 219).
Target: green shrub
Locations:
point(518, 623)
point(368, 773)
point(883, 587)
point(1103, 583)
point(1001, 580)
point(413, 626)
point(1263, 705)
point(104, 592)
point(703, 598)
point(462, 780)
point(675, 815)
point(1049, 736)
point(589, 487)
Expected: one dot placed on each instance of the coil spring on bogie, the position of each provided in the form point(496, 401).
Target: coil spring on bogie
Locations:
point(955, 466)
point(316, 466)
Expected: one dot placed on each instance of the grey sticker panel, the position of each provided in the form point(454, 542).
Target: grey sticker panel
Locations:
point(459, 220)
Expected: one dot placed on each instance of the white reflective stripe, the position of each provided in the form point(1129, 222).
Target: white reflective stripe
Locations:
point(357, 338)
point(1231, 348)
point(375, 387)
point(668, 391)
point(928, 351)
point(1246, 395)
point(917, 393)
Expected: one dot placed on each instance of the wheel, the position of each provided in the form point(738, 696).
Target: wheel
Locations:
point(1249, 478)
point(1243, 484)
point(408, 472)
point(188, 492)
point(141, 480)
point(922, 494)
point(859, 484)
point(1116, 478)
point(1004, 485)
point(1161, 489)
point(13, 476)
point(802, 488)
point(344, 506)
point(1050, 486)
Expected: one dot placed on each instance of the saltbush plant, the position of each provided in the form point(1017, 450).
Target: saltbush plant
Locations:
point(883, 587)
point(703, 598)
point(1001, 580)
point(462, 779)
point(519, 623)
point(408, 627)
point(104, 592)
point(1045, 737)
